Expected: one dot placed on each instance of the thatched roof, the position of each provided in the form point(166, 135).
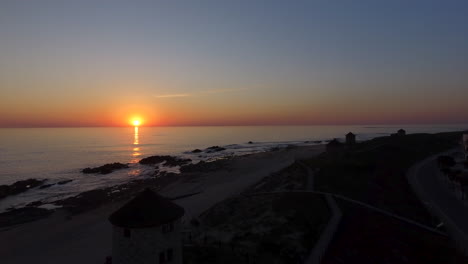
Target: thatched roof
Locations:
point(147, 209)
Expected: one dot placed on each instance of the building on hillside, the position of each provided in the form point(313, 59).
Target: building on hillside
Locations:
point(147, 230)
point(350, 139)
point(401, 132)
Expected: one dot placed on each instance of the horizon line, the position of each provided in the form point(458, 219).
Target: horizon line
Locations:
point(244, 125)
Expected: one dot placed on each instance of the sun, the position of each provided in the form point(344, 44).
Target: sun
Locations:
point(136, 122)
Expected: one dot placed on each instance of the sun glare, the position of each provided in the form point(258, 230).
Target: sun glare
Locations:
point(136, 122)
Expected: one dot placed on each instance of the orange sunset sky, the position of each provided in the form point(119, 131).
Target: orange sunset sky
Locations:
point(242, 63)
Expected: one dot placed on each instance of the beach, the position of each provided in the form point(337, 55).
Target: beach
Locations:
point(86, 237)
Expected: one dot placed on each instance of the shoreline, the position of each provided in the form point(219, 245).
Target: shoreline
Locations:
point(93, 231)
point(89, 200)
point(103, 179)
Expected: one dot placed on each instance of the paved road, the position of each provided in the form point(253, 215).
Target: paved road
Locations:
point(439, 199)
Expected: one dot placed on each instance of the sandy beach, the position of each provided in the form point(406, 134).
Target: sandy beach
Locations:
point(86, 237)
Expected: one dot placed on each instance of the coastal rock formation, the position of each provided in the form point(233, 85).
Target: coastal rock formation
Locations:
point(104, 169)
point(169, 161)
point(19, 187)
point(64, 182)
point(44, 186)
point(196, 151)
point(214, 149)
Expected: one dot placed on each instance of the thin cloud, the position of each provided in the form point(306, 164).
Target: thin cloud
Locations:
point(203, 92)
point(172, 95)
point(214, 91)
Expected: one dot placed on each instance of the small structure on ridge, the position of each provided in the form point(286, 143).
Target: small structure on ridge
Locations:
point(147, 230)
point(401, 132)
point(350, 139)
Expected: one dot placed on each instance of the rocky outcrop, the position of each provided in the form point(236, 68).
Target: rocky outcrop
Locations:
point(44, 186)
point(105, 169)
point(169, 161)
point(214, 149)
point(19, 187)
point(196, 151)
point(64, 182)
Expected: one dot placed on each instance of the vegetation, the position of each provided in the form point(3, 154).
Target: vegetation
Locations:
point(375, 171)
point(255, 227)
point(366, 236)
point(260, 229)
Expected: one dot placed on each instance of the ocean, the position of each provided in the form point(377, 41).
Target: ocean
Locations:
point(58, 154)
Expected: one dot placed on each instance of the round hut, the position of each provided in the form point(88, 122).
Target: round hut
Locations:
point(147, 230)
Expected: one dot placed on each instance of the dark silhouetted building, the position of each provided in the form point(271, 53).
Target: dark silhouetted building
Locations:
point(350, 139)
point(147, 230)
point(401, 132)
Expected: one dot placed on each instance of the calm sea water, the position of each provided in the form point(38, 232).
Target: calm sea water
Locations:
point(60, 153)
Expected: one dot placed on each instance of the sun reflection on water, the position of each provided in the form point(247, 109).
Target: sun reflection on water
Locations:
point(136, 148)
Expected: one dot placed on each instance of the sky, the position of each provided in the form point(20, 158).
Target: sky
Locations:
point(176, 63)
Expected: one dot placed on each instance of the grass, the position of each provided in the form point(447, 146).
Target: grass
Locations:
point(365, 236)
point(279, 227)
point(262, 228)
point(375, 171)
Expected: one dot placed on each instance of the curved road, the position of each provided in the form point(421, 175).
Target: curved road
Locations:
point(440, 200)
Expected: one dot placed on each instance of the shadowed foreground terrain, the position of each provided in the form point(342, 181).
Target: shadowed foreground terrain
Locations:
point(374, 172)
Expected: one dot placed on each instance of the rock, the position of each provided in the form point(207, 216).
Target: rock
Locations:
point(169, 161)
point(19, 187)
point(105, 169)
point(196, 151)
point(214, 149)
point(66, 181)
point(46, 185)
point(250, 142)
point(34, 204)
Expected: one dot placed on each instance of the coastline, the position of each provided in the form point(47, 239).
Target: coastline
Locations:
point(90, 225)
